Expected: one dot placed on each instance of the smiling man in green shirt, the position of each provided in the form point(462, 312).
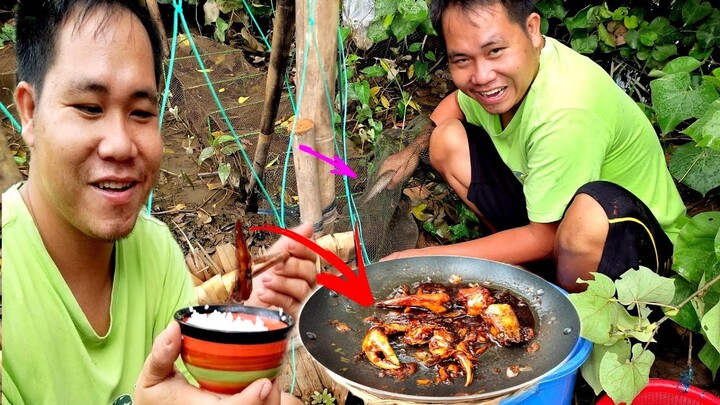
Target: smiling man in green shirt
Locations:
point(541, 143)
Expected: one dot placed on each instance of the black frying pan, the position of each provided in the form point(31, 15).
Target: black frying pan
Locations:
point(557, 328)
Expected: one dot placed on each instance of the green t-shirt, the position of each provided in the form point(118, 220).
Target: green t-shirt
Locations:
point(51, 354)
point(575, 126)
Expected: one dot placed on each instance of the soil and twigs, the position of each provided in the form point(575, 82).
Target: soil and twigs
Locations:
point(201, 212)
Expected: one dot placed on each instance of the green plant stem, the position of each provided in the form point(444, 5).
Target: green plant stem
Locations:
point(693, 295)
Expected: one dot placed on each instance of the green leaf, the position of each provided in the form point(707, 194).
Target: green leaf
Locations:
point(579, 21)
point(706, 130)
point(377, 32)
point(623, 381)
point(360, 91)
point(460, 231)
point(591, 368)
point(421, 71)
point(681, 64)
point(686, 317)
point(605, 36)
point(427, 27)
point(710, 324)
point(414, 47)
point(696, 167)
point(387, 21)
point(221, 28)
point(206, 153)
point(585, 45)
point(551, 9)
point(413, 10)
point(675, 101)
point(648, 36)
point(661, 26)
point(620, 13)
point(709, 31)
point(402, 27)
point(597, 309)
point(710, 356)
point(626, 325)
point(631, 22)
point(230, 149)
point(430, 55)
point(374, 71)
point(385, 7)
point(695, 248)
point(224, 172)
point(644, 285)
point(694, 11)
point(662, 52)
point(632, 38)
point(712, 80)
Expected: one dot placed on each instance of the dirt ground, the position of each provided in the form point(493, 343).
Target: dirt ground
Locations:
point(202, 212)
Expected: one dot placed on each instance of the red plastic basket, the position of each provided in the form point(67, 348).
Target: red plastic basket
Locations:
point(668, 392)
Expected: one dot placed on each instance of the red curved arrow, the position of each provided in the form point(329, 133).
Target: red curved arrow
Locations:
point(353, 286)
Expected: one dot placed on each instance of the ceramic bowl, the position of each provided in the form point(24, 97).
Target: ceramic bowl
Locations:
point(228, 361)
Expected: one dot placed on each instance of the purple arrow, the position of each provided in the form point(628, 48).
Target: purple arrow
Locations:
point(340, 167)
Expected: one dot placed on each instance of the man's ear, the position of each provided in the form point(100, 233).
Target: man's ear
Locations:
point(532, 25)
point(25, 102)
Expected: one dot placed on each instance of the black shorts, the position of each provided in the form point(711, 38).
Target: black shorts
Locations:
point(635, 238)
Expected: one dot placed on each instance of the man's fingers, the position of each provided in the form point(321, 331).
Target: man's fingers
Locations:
point(260, 392)
point(159, 364)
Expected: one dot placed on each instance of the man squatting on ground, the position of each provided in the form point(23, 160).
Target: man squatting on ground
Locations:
point(542, 144)
point(89, 284)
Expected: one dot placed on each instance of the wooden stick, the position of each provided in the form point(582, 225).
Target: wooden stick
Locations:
point(262, 263)
point(281, 41)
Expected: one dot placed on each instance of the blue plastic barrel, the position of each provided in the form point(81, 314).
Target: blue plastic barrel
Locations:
point(557, 388)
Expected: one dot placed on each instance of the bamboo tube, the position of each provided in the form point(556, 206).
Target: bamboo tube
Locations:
point(319, 73)
point(281, 41)
point(306, 175)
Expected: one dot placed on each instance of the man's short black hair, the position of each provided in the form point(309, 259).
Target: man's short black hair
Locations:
point(517, 10)
point(39, 23)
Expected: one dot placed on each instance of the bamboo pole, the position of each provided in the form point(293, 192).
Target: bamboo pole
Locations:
point(9, 172)
point(316, 29)
point(154, 11)
point(306, 175)
point(281, 41)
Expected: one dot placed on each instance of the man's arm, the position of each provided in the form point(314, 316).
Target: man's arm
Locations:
point(520, 245)
point(405, 162)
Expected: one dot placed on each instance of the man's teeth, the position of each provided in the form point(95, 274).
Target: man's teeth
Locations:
point(113, 185)
point(492, 93)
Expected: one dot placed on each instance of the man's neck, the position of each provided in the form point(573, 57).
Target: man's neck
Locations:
point(86, 264)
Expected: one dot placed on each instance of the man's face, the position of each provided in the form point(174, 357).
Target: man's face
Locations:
point(492, 59)
point(96, 147)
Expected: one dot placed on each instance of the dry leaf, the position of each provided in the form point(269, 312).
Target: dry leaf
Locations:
point(203, 217)
point(178, 207)
point(214, 186)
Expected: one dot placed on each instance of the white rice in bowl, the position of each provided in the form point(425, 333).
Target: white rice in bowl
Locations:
point(225, 321)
